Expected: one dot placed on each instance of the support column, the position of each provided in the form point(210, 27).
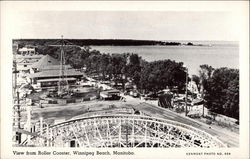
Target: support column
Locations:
point(28, 123)
point(41, 130)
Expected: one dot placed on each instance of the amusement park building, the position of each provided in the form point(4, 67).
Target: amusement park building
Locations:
point(47, 72)
point(24, 62)
point(27, 50)
point(45, 61)
point(110, 94)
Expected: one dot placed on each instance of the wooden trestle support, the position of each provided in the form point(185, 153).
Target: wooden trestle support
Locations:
point(124, 131)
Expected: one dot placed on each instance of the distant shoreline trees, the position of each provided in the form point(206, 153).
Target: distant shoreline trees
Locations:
point(87, 42)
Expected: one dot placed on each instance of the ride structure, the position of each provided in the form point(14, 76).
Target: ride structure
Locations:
point(62, 84)
point(130, 130)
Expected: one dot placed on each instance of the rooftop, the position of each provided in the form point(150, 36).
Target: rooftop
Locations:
point(26, 49)
point(56, 79)
point(54, 67)
point(110, 91)
point(29, 56)
point(27, 61)
point(56, 73)
point(45, 61)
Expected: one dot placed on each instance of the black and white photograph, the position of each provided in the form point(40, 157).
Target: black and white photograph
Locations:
point(137, 80)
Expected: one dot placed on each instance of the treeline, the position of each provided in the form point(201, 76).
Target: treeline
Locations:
point(87, 42)
point(221, 90)
point(120, 68)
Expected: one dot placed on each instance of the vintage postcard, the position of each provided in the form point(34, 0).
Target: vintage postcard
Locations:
point(125, 79)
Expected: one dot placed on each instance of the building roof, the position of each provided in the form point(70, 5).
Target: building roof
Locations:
point(45, 61)
point(27, 59)
point(55, 73)
point(115, 91)
point(24, 63)
point(54, 67)
point(56, 79)
point(26, 49)
point(28, 56)
point(198, 101)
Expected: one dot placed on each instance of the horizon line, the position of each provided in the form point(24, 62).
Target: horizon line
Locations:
point(120, 39)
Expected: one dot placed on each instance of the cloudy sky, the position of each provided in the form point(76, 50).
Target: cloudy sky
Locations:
point(148, 25)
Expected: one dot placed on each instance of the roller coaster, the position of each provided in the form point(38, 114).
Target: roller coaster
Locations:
point(123, 130)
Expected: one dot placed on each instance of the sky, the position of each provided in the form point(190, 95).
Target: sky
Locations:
point(144, 25)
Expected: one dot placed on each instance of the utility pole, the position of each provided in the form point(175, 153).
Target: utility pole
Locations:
point(203, 105)
point(28, 109)
point(186, 93)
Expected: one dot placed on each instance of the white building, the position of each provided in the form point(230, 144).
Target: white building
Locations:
point(27, 51)
point(24, 62)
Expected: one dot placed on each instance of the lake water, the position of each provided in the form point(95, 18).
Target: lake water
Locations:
point(215, 54)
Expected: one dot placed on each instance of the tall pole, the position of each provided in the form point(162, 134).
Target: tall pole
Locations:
point(61, 78)
point(203, 105)
point(41, 129)
point(186, 93)
point(28, 121)
point(63, 83)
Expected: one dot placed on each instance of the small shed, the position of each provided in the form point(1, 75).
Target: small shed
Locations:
point(110, 94)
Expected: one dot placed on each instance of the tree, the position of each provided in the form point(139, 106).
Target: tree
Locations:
point(157, 75)
point(104, 62)
point(205, 73)
point(222, 92)
point(50, 50)
point(133, 67)
point(118, 62)
point(196, 79)
point(72, 56)
point(232, 105)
